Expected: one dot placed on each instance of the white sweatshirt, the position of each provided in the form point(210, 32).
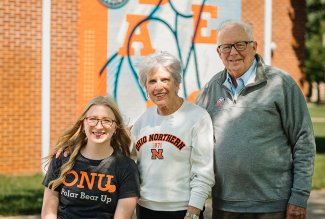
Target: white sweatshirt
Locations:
point(175, 158)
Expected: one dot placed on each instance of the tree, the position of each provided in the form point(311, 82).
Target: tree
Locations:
point(315, 43)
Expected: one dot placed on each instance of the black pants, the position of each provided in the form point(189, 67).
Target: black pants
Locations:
point(216, 214)
point(145, 213)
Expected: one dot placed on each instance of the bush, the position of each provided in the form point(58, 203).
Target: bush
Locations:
point(21, 195)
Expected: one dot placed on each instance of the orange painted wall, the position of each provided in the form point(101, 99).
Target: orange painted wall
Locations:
point(78, 51)
point(92, 46)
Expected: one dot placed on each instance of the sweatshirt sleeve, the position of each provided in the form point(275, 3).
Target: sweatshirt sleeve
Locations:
point(202, 175)
point(299, 130)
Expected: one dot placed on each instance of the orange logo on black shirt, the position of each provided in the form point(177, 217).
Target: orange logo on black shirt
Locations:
point(84, 179)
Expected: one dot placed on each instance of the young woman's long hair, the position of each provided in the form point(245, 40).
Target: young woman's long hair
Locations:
point(74, 138)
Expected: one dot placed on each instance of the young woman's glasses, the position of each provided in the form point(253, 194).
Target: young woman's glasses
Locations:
point(106, 123)
point(239, 46)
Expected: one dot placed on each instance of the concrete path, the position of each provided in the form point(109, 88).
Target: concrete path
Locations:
point(316, 208)
point(318, 119)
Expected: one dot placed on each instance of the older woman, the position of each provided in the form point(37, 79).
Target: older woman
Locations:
point(174, 144)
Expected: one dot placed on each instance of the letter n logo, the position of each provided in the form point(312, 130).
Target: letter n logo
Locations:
point(157, 154)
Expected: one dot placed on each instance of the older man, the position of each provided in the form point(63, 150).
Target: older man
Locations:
point(264, 143)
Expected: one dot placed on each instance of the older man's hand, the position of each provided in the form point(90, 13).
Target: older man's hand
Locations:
point(296, 212)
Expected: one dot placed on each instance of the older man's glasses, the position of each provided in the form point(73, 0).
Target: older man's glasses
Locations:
point(239, 46)
point(106, 123)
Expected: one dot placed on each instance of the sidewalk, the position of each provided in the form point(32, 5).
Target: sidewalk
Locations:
point(315, 210)
point(316, 205)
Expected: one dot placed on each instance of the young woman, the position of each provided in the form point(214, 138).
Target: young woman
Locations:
point(98, 179)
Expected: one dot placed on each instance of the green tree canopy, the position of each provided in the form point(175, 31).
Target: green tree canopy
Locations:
point(315, 48)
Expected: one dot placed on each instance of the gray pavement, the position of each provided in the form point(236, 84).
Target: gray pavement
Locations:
point(315, 210)
point(316, 205)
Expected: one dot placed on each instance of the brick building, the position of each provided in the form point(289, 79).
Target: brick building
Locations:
point(77, 50)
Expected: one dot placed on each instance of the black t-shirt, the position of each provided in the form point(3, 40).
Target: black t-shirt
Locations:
point(93, 187)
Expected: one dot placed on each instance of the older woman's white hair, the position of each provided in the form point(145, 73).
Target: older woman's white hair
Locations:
point(150, 64)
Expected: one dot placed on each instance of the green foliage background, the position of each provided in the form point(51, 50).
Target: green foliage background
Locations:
point(315, 49)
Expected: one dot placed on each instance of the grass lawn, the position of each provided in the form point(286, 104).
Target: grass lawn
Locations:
point(316, 110)
point(319, 173)
point(21, 195)
point(319, 128)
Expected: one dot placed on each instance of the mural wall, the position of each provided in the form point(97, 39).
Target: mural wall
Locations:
point(187, 29)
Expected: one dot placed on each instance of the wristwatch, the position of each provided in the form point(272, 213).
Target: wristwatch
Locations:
point(191, 215)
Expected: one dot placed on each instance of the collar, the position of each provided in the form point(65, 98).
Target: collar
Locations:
point(260, 73)
point(250, 74)
point(242, 81)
